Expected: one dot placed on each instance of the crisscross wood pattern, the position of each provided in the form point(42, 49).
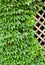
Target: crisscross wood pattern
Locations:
point(40, 26)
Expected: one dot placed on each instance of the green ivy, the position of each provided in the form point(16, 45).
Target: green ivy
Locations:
point(18, 46)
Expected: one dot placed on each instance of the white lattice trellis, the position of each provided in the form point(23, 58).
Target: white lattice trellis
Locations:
point(40, 26)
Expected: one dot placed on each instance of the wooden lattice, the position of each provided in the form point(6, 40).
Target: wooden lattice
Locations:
point(40, 26)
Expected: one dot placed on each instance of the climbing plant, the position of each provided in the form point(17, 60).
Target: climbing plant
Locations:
point(18, 46)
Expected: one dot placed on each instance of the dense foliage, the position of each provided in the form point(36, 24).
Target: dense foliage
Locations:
point(17, 43)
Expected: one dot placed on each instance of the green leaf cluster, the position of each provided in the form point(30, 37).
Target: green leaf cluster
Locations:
point(18, 46)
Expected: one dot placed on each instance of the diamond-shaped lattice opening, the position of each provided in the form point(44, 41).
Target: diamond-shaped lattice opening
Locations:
point(40, 26)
